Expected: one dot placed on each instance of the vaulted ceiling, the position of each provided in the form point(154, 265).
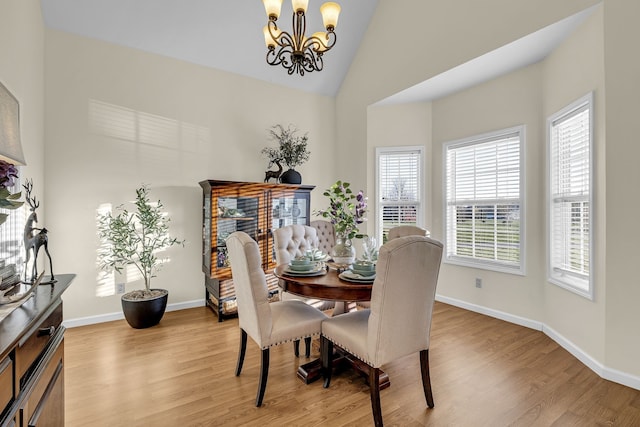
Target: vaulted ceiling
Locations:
point(227, 35)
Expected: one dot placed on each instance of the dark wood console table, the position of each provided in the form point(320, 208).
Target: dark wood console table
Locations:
point(32, 359)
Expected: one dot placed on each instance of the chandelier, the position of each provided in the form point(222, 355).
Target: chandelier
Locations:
point(295, 51)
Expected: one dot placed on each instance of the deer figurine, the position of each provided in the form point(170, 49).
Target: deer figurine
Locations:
point(273, 174)
point(34, 241)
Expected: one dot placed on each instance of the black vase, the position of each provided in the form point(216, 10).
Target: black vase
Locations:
point(291, 177)
point(145, 313)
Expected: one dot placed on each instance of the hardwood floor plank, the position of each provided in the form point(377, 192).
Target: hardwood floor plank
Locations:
point(484, 372)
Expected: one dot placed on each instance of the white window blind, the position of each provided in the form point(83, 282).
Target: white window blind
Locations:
point(570, 197)
point(12, 253)
point(399, 188)
point(484, 199)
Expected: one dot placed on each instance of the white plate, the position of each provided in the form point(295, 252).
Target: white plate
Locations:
point(350, 276)
point(316, 272)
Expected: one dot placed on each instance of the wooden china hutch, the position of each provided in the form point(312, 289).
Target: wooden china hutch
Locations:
point(256, 209)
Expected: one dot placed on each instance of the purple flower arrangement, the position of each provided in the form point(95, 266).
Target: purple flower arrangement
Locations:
point(346, 209)
point(8, 177)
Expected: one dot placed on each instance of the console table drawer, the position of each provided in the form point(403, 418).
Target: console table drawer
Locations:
point(33, 344)
point(6, 383)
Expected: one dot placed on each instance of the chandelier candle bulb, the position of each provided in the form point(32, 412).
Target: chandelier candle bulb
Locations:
point(330, 12)
point(272, 7)
point(322, 36)
point(268, 39)
point(300, 5)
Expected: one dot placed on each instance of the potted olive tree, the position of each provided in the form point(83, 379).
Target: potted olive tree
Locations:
point(133, 239)
point(291, 150)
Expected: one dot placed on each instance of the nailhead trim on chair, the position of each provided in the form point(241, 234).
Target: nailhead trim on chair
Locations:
point(350, 352)
point(291, 340)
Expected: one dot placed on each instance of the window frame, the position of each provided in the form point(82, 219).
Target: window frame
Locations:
point(575, 285)
point(484, 264)
point(379, 206)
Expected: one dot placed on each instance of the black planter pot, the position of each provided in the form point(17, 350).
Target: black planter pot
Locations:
point(144, 313)
point(291, 177)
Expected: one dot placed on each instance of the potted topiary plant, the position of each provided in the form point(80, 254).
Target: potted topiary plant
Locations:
point(291, 151)
point(134, 238)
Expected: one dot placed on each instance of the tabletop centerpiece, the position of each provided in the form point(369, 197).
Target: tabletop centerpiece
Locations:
point(346, 212)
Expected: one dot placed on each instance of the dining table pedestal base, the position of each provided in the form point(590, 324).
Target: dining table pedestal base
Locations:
point(312, 371)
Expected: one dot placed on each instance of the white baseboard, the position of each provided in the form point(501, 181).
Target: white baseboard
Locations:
point(597, 367)
point(522, 321)
point(109, 317)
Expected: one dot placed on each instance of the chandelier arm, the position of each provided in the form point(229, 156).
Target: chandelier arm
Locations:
point(280, 56)
point(299, 25)
point(318, 45)
point(312, 62)
point(272, 58)
point(286, 40)
point(281, 39)
point(285, 56)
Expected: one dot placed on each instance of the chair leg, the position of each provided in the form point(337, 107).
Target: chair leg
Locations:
point(374, 387)
point(307, 347)
point(264, 373)
point(241, 351)
point(296, 348)
point(426, 378)
point(326, 354)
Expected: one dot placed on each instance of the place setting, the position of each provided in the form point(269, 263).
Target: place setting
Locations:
point(361, 271)
point(308, 265)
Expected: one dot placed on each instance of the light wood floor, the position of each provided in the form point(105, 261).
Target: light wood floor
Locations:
point(485, 372)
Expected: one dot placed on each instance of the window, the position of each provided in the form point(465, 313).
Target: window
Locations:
point(570, 197)
point(484, 219)
point(12, 254)
point(398, 188)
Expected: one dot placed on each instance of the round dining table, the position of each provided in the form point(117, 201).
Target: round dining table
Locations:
point(328, 286)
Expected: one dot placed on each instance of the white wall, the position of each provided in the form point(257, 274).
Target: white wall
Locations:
point(22, 72)
point(414, 40)
point(392, 126)
point(574, 69)
point(622, 68)
point(118, 117)
point(512, 100)
point(603, 330)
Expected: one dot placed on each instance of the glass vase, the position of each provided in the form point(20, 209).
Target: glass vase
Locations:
point(343, 252)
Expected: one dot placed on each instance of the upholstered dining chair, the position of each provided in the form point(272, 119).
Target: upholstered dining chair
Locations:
point(399, 320)
point(326, 234)
point(400, 231)
point(289, 242)
point(407, 230)
point(268, 324)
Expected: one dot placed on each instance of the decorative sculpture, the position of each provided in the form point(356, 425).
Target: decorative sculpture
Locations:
point(273, 174)
point(32, 240)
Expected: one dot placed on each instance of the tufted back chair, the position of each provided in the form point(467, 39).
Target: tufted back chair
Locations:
point(289, 242)
point(326, 235)
point(407, 230)
point(292, 241)
point(399, 321)
point(268, 324)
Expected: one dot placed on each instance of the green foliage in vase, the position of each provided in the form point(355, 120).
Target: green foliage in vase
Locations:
point(134, 238)
point(346, 209)
point(291, 149)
